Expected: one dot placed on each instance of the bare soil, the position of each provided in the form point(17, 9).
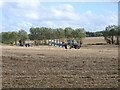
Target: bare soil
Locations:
point(54, 67)
point(93, 40)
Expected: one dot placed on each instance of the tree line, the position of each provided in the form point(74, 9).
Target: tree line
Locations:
point(94, 34)
point(57, 33)
point(41, 33)
point(13, 37)
point(111, 34)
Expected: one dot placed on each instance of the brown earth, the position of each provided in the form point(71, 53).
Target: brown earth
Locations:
point(94, 40)
point(54, 67)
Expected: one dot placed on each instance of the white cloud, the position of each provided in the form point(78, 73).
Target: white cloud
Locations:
point(68, 7)
point(21, 25)
point(28, 3)
point(64, 12)
point(1, 3)
point(50, 24)
point(24, 24)
point(29, 9)
point(56, 12)
point(24, 3)
point(88, 20)
point(94, 22)
point(61, 15)
point(32, 15)
point(64, 7)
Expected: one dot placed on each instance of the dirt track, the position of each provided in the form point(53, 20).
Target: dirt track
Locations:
point(42, 67)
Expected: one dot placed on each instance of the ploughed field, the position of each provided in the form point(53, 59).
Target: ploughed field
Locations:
point(54, 67)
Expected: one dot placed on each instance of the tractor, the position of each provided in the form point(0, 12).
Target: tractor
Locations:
point(73, 44)
point(66, 43)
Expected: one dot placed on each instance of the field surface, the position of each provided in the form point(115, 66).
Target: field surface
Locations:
point(54, 67)
point(94, 40)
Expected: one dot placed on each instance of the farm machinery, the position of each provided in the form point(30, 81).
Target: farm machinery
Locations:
point(65, 43)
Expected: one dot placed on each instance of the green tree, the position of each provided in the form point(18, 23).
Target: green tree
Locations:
point(44, 33)
point(14, 37)
point(32, 35)
point(22, 35)
point(80, 33)
point(0, 37)
point(9, 37)
point(110, 33)
point(67, 32)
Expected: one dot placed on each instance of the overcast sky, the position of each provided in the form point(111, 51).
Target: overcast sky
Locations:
point(92, 16)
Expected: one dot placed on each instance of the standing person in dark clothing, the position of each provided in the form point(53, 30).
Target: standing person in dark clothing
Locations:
point(65, 45)
point(20, 42)
point(26, 45)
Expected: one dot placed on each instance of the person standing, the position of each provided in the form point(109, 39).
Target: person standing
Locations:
point(65, 45)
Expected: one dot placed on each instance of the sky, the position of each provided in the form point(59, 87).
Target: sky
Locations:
point(88, 14)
